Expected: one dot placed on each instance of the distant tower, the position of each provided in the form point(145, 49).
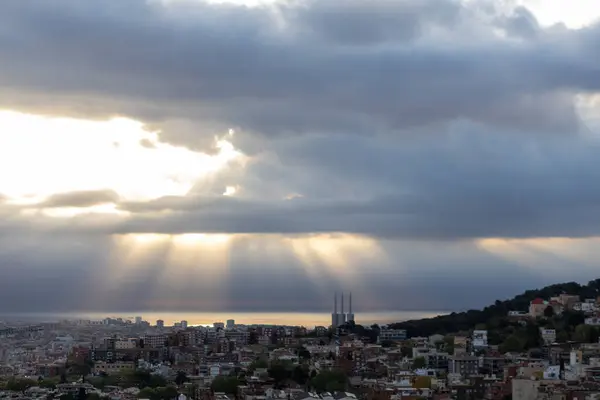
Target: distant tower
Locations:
point(160, 323)
point(341, 318)
point(350, 315)
point(334, 315)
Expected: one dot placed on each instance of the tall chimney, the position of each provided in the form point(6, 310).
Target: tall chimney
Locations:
point(350, 305)
point(334, 302)
point(342, 303)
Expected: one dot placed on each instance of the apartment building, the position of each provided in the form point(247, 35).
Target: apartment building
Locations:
point(155, 341)
point(464, 365)
point(392, 334)
point(112, 368)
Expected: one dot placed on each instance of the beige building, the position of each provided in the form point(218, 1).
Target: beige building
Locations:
point(125, 344)
point(525, 389)
point(537, 307)
point(568, 301)
point(113, 368)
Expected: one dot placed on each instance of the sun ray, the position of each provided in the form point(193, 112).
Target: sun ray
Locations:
point(199, 261)
point(542, 254)
point(339, 256)
point(131, 252)
point(179, 263)
point(511, 251)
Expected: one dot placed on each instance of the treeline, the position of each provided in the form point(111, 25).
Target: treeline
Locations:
point(494, 314)
point(282, 374)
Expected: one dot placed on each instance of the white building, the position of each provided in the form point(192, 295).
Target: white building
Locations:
point(548, 335)
point(480, 339)
point(392, 334)
point(125, 344)
point(595, 321)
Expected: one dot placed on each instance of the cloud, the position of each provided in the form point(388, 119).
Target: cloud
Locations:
point(471, 182)
point(297, 67)
point(80, 199)
point(411, 130)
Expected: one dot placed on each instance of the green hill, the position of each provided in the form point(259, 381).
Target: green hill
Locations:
point(500, 327)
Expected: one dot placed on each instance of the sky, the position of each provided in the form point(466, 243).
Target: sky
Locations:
point(215, 156)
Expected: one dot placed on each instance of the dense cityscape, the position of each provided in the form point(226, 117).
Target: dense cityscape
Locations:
point(117, 358)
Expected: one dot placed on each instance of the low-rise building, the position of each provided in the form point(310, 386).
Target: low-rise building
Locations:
point(114, 367)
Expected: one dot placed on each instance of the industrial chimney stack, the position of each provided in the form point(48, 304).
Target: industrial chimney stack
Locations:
point(350, 315)
point(334, 314)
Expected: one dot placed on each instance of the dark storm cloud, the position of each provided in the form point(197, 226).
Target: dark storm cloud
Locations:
point(80, 199)
point(471, 182)
point(259, 69)
point(521, 23)
point(411, 122)
point(355, 23)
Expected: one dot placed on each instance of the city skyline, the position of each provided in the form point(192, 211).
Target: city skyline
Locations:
point(200, 156)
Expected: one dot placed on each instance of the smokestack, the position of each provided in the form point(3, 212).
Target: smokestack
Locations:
point(350, 305)
point(342, 303)
point(334, 302)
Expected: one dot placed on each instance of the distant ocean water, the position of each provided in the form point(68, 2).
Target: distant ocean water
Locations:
point(208, 318)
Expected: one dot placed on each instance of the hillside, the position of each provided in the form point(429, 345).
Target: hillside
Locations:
point(494, 317)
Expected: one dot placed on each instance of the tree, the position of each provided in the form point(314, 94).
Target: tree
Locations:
point(449, 344)
point(419, 362)
point(387, 343)
point(279, 372)
point(147, 393)
point(143, 378)
point(19, 385)
point(300, 375)
point(167, 393)
point(225, 384)
point(562, 336)
point(303, 353)
point(329, 381)
point(260, 363)
point(495, 315)
point(93, 396)
point(573, 318)
point(595, 335)
point(583, 333)
point(549, 312)
point(511, 344)
point(181, 378)
point(47, 383)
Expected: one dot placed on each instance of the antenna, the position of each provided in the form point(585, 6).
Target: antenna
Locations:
point(342, 302)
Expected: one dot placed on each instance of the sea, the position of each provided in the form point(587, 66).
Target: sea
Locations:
point(308, 320)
